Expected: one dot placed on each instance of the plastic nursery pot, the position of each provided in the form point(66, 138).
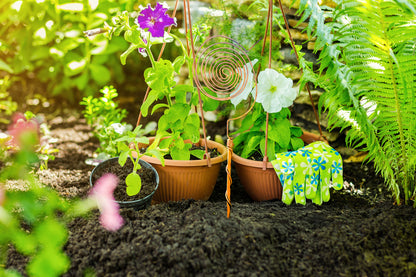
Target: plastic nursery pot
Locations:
point(138, 204)
point(260, 184)
point(193, 179)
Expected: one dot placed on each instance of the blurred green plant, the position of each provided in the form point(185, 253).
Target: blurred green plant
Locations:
point(46, 38)
point(367, 69)
point(45, 150)
point(44, 146)
point(7, 105)
point(105, 117)
point(33, 217)
point(29, 218)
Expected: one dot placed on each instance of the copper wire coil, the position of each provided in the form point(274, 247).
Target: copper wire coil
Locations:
point(220, 71)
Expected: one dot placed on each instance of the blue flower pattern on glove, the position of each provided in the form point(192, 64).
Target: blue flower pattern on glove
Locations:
point(308, 173)
point(305, 152)
point(336, 168)
point(291, 154)
point(282, 178)
point(287, 167)
point(318, 164)
point(298, 188)
point(314, 179)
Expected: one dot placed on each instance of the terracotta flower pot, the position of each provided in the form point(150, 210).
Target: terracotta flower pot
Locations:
point(260, 184)
point(191, 179)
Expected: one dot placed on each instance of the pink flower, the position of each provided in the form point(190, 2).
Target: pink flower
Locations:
point(102, 192)
point(20, 127)
point(111, 220)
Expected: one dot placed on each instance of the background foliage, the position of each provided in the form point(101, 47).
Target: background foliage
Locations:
point(45, 39)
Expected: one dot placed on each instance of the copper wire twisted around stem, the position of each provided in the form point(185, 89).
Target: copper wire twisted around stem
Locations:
point(229, 179)
point(222, 65)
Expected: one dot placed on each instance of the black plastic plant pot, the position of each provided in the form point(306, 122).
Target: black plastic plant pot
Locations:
point(138, 204)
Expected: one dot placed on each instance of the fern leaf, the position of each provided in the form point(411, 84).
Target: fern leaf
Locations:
point(368, 55)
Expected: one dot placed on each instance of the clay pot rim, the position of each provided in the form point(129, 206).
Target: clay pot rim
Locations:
point(306, 137)
point(192, 163)
point(248, 162)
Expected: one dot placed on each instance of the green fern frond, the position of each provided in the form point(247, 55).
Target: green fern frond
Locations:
point(368, 70)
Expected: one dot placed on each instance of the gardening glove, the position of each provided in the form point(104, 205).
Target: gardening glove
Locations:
point(307, 173)
point(326, 168)
point(287, 166)
point(285, 172)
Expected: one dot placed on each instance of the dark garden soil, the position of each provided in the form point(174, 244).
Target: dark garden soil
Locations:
point(359, 232)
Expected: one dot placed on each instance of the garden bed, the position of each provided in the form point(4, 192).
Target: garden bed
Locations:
point(358, 232)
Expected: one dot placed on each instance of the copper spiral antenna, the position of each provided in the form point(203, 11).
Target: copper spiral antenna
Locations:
point(222, 70)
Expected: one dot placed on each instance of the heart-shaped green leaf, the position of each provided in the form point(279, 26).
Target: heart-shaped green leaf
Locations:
point(134, 184)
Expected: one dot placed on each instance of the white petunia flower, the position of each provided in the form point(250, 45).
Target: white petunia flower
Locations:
point(275, 91)
point(118, 128)
point(248, 83)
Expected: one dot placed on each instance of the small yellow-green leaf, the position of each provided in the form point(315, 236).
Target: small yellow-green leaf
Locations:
point(198, 153)
point(124, 55)
point(134, 184)
point(177, 64)
point(157, 154)
point(123, 158)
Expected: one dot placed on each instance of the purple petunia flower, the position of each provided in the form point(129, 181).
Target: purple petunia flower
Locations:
point(155, 20)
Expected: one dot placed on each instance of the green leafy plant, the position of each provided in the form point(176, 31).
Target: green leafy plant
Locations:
point(251, 135)
point(367, 69)
point(178, 124)
point(133, 180)
point(105, 117)
point(48, 234)
point(45, 150)
point(269, 116)
point(7, 105)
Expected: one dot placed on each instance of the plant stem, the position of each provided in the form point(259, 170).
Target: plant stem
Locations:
point(149, 52)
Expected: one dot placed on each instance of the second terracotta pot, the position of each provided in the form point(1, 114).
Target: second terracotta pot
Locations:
point(260, 184)
point(193, 179)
